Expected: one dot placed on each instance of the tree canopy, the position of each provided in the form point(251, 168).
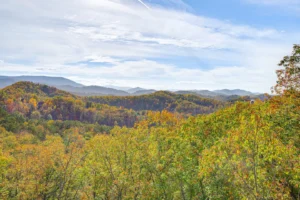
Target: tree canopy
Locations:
point(241, 151)
point(289, 76)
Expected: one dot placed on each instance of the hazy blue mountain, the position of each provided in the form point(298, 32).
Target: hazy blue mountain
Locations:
point(93, 91)
point(234, 92)
point(62, 83)
point(136, 89)
point(5, 81)
point(204, 93)
point(79, 89)
point(133, 91)
point(217, 93)
point(225, 92)
point(185, 92)
point(51, 81)
point(224, 95)
point(144, 91)
point(117, 87)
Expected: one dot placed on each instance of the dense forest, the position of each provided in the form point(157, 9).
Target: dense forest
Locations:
point(37, 101)
point(162, 100)
point(54, 145)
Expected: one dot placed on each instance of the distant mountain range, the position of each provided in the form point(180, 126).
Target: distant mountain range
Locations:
point(79, 89)
point(92, 90)
point(52, 81)
point(224, 92)
point(133, 90)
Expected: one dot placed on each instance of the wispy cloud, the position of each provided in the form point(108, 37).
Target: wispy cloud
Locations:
point(133, 39)
point(171, 4)
point(151, 74)
point(144, 4)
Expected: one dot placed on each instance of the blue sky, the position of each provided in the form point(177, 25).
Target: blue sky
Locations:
point(159, 44)
point(255, 13)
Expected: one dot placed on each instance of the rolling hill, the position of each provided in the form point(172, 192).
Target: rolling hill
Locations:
point(162, 100)
point(234, 92)
point(51, 81)
point(39, 101)
point(92, 90)
point(82, 90)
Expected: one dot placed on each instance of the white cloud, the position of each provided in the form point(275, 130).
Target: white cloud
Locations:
point(101, 59)
point(151, 74)
point(51, 35)
point(144, 4)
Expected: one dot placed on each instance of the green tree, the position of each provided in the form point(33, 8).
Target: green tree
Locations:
point(35, 115)
point(289, 77)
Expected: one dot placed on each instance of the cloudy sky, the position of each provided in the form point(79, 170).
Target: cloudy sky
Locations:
point(160, 44)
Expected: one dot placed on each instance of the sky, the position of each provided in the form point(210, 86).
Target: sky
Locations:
point(157, 44)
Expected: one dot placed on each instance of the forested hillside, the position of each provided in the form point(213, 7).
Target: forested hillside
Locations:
point(35, 101)
point(243, 151)
point(93, 90)
point(48, 80)
point(162, 100)
point(42, 102)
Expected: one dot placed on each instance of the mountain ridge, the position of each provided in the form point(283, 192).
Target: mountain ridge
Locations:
point(48, 80)
point(94, 90)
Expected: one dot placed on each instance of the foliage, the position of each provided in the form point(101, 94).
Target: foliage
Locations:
point(162, 100)
point(58, 149)
point(246, 151)
point(34, 101)
point(289, 77)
